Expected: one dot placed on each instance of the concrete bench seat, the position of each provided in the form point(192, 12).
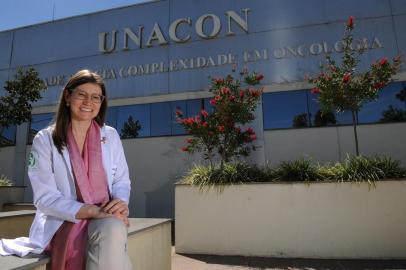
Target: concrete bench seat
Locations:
point(149, 243)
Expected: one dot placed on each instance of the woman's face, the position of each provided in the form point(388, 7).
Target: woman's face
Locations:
point(85, 101)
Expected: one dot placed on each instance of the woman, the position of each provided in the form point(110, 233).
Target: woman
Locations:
point(81, 185)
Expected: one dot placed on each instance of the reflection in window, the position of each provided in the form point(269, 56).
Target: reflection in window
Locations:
point(320, 118)
point(130, 128)
point(8, 136)
point(285, 109)
point(38, 122)
point(177, 105)
point(161, 119)
point(133, 121)
point(301, 109)
point(396, 110)
point(111, 117)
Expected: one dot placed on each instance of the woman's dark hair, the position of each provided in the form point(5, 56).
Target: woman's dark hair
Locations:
point(63, 115)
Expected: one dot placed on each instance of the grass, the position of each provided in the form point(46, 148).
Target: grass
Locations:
point(4, 181)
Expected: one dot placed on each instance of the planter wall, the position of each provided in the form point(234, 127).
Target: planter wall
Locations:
point(11, 194)
point(318, 220)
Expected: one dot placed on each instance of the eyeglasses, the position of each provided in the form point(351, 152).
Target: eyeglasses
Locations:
point(82, 95)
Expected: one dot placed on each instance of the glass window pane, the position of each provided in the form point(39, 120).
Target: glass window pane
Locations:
point(194, 107)
point(317, 117)
point(285, 109)
point(207, 106)
point(38, 122)
point(388, 108)
point(111, 117)
point(177, 105)
point(161, 119)
point(8, 136)
point(133, 121)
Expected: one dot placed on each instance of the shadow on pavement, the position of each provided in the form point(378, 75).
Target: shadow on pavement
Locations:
point(294, 263)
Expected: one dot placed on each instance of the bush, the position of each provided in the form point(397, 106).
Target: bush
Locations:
point(4, 181)
point(354, 168)
point(297, 170)
point(231, 173)
point(369, 169)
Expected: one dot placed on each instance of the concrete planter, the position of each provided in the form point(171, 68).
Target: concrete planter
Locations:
point(11, 194)
point(317, 220)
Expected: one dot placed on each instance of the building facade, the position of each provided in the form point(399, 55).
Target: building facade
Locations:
point(156, 57)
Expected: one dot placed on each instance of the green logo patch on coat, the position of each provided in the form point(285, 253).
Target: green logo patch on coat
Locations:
point(33, 160)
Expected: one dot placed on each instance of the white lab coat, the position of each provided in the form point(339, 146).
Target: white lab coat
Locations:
point(54, 189)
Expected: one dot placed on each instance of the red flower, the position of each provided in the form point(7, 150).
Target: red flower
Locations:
point(379, 85)
point(217, 98)
point(250, 131)
point(188, 121)
point(205, 124)
point(315, 90)
point(204, 113)
point(259, 77)
point(242, 93)
point(231, 98)
point(220, 128)
point(383, 61)
point(253, 137)
point(350, 22)
point(218, 80)
point(225, 90)
point(189, 140)
point(185, 149)
point(397, 58)
point(254, 93)
point(346, 77)
point(213, 102)
point(179, 113)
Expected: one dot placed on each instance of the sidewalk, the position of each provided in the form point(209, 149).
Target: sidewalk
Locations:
point(210, 262)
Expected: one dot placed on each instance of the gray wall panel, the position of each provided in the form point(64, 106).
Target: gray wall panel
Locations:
point(6, 41)
point(78, 36)
point(398, 6)
point(279, 70)
point(145, 85)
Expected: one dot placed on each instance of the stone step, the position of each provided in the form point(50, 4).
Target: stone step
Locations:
point(18, 206)
point(149, 243)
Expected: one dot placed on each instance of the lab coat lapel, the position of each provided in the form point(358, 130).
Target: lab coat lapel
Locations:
point(105, 143)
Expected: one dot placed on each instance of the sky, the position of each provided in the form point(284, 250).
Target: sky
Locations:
point(19, 13)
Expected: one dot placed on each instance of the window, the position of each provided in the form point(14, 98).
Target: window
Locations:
point(8, 136)
point(285, 109)
point(290, 109)
point(38, 122)
point(133, 121)
point(161, 119)
point(111, 117)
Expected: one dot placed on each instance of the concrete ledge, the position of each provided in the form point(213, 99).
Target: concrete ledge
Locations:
point(149, 243)
point(294, 220)
point(30, 262)
point(15, 223)
point(18, 207)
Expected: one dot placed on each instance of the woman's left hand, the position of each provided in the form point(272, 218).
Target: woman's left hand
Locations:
point(116, 206)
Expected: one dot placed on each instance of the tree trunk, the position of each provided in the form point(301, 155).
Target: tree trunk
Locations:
point(354, 124)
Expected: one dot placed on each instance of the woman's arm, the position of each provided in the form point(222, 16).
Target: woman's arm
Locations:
point(121, 184)
point(47, 197)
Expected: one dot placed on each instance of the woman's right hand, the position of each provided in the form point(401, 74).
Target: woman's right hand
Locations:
point(89, 211)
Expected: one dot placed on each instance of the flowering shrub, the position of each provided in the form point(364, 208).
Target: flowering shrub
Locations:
point(223, 130)
point(343, 87)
